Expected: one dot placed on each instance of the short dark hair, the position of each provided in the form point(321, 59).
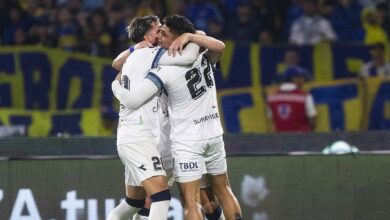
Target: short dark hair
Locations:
point(139, 26)
point(179, 24)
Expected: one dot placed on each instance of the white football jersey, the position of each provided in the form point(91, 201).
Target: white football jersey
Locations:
point(141, 123)
point(164, 146)
point(192, 99)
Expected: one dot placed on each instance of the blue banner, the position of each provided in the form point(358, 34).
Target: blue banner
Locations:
point(57, 83)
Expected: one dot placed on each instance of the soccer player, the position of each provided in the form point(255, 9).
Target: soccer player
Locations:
point(138, 129)
point(209, 203)
point(197, 143)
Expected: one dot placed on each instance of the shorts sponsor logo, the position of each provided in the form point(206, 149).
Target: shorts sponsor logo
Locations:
point(189, 166)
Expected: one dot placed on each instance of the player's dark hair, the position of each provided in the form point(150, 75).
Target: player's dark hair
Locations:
point(139, 26)
point(179, 24)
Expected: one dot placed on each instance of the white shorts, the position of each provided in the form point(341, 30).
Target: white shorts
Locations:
point(192, 159)
point(142, 161)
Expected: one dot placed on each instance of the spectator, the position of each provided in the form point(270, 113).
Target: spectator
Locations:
point(243, 28)
point(201, 12)
point(265, 38)
point(42, 10)
point(264, 15)
point(41, 34)
point(177, 7)
point(92, 5)
point(15, 23)
point(160, 8)
point(118, 17)
point(145, 8)
point(2, 20)
point(294, 11)
point(97, 36)
point(373, 31)
point(291, 65)
point(74, 6)
point(20, 37)
point(279, 8)
point(326, 7)
point(384, 16)
point(377, 65)
point(67, 31)
point(311, 28)
point(215, 29)
point(369, 3)
point(346, 21)
point(291, 108)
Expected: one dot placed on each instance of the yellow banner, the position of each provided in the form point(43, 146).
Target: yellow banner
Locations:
point(55, 123)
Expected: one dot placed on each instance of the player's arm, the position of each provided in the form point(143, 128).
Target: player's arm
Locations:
point(121, 58)
point(187, 57)
point(136, 97)
point(215, 47)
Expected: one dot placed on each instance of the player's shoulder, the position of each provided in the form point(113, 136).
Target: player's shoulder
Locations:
point(147, 50)
point(164, 68)
point(143, 55)
point(170, 69)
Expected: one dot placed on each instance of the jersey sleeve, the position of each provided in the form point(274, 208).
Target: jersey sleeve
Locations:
point(189, 55)
point(155, 79)
point(160, 76)
point(136, 97)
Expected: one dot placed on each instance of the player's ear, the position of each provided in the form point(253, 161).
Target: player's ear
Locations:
point(146, 37)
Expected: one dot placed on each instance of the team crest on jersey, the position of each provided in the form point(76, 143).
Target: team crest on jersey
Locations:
point(284, 111)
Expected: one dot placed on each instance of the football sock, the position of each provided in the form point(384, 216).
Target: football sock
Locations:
point(143, 214)
point(216, 215)
point(160, 205)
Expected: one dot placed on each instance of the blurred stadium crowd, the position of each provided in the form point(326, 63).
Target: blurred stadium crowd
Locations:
point(293, 28)
point(97, 27)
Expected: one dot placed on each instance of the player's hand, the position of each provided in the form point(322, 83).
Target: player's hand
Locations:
point(143, 44)
point(119, 77)
point(178, 44)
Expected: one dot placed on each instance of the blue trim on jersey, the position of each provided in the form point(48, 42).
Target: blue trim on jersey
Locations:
point(156, 80)
point(158, 56)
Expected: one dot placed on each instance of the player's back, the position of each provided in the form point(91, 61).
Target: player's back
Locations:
point(141, 123)
point(192, 100)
